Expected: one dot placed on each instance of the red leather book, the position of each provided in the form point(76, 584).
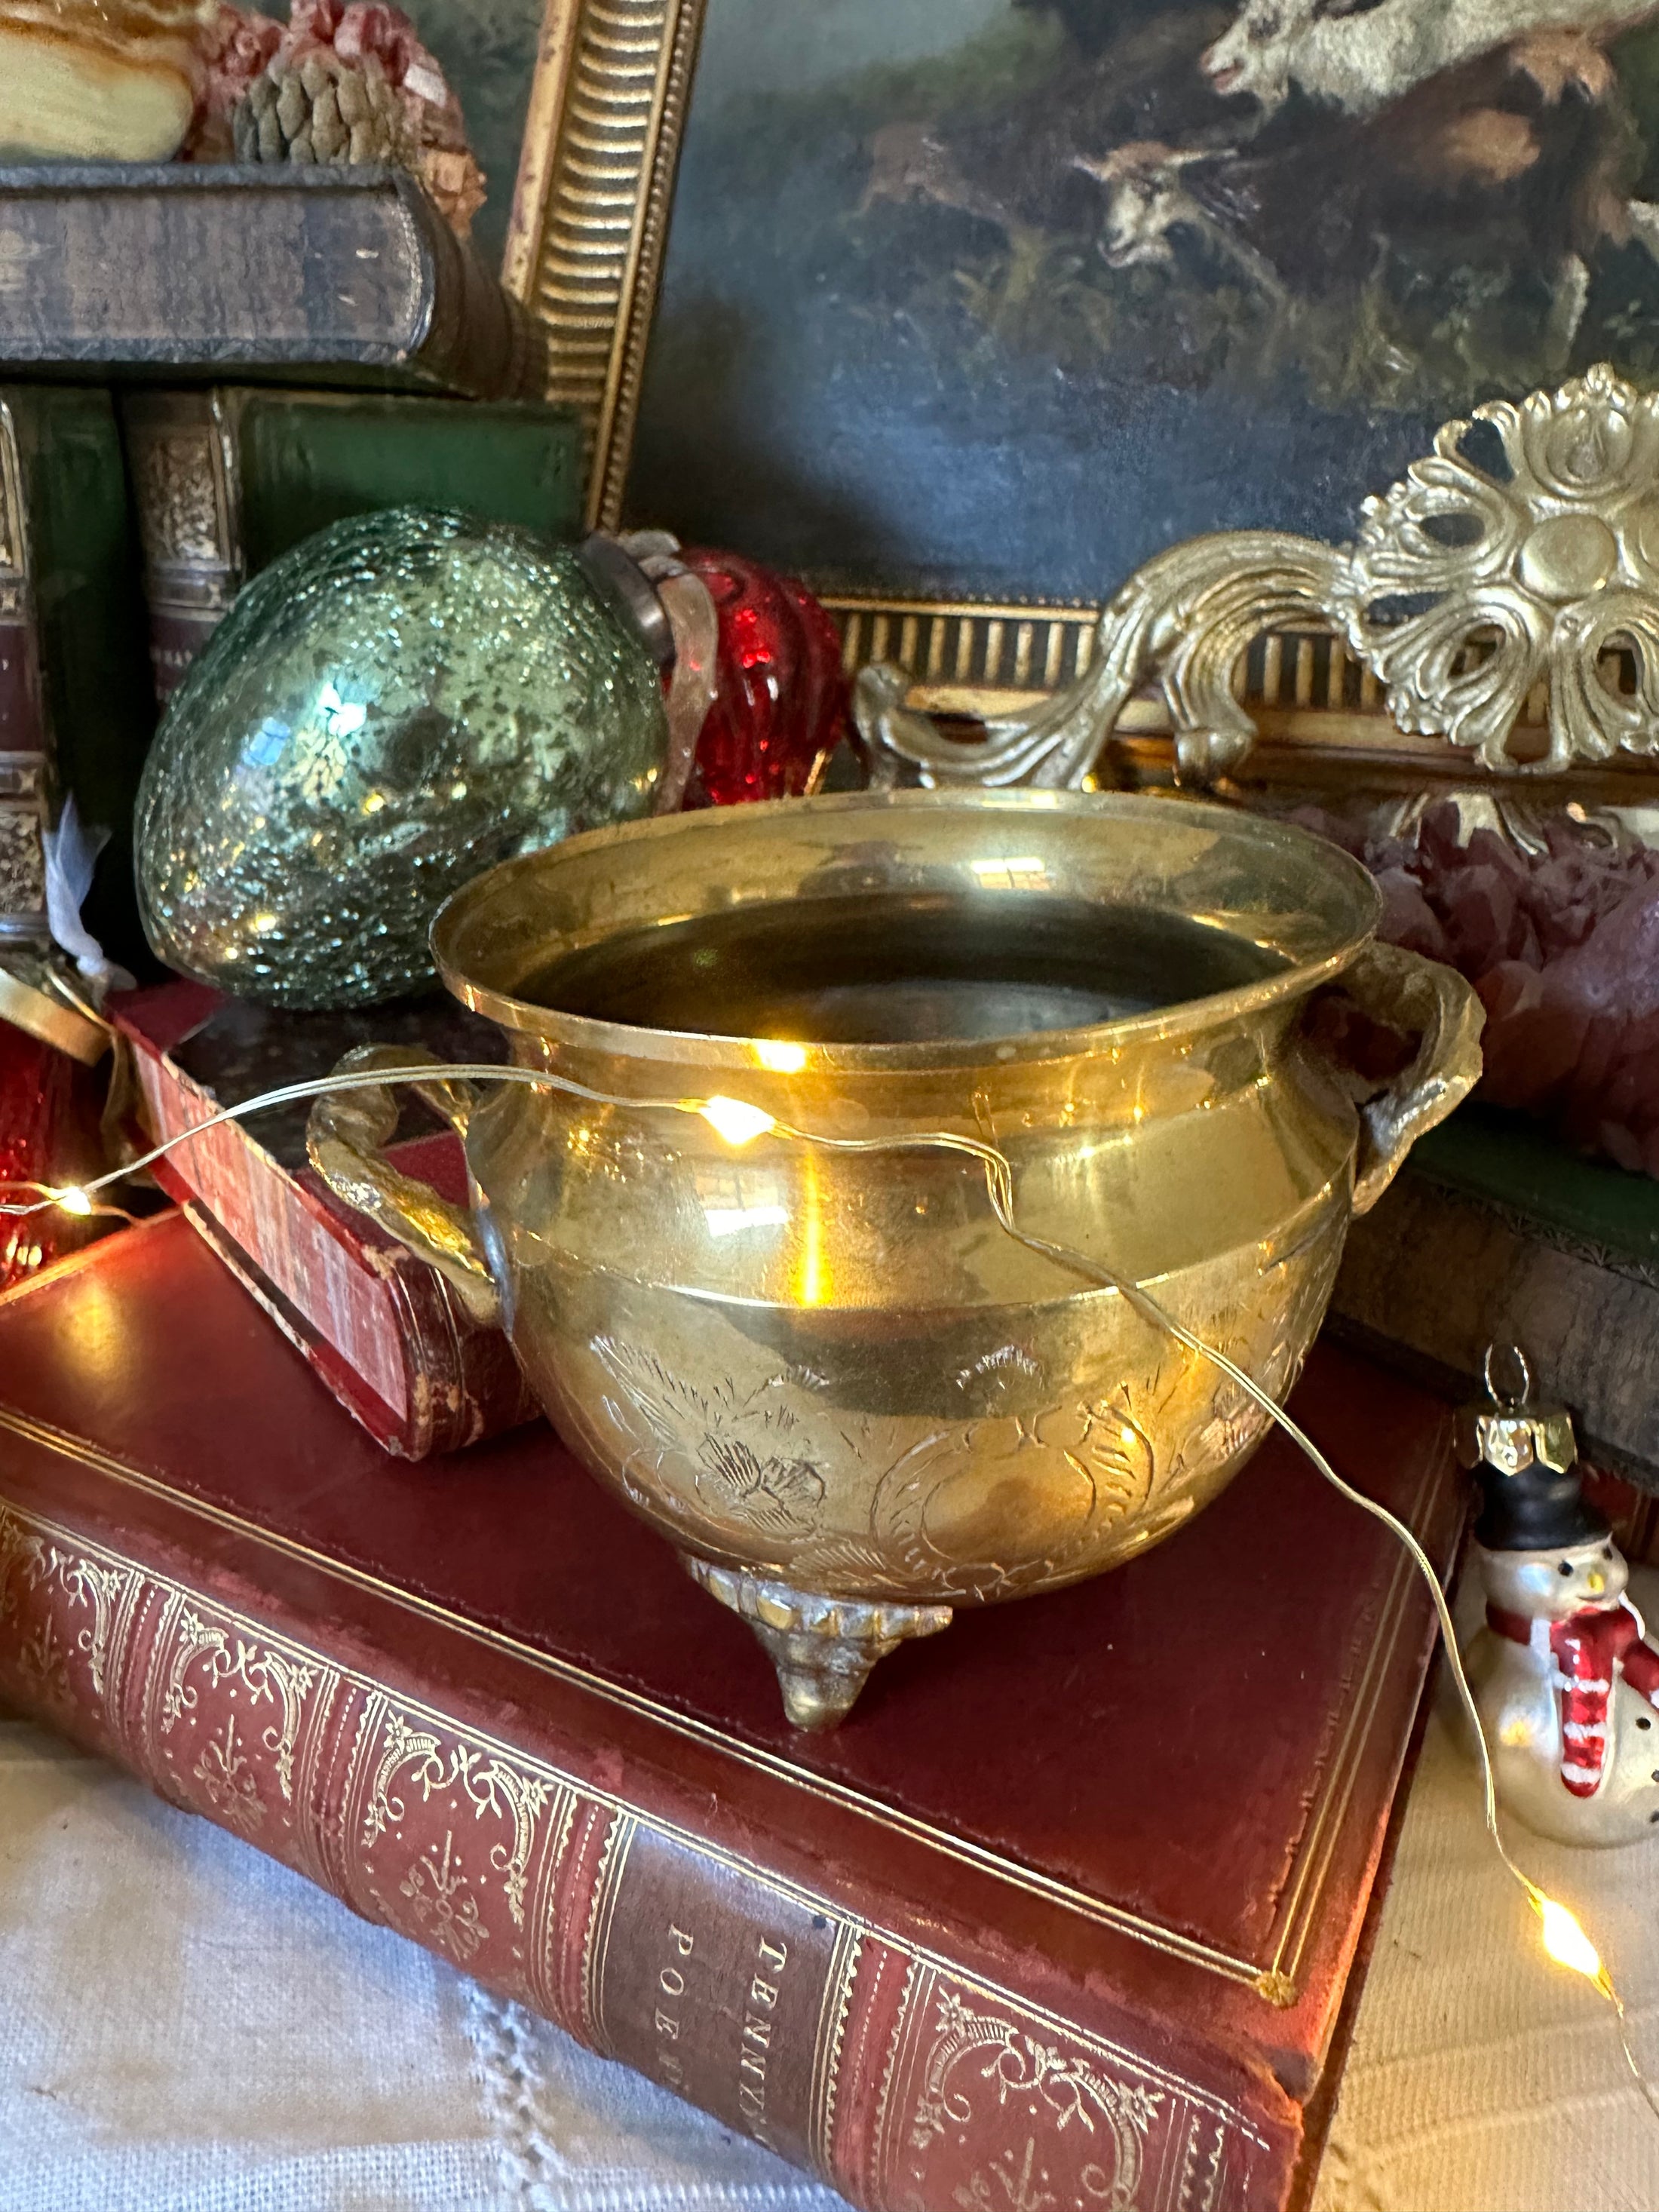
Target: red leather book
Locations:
point(384, 1332)
point(1063, 1916)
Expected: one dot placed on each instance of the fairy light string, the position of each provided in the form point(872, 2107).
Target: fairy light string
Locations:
point(740, 1121)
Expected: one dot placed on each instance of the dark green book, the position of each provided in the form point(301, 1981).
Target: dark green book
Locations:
point(225, 478)
point(1495, 1232)
point(75, 710)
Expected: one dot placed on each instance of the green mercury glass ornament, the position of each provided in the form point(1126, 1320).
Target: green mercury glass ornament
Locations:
point(388, 710)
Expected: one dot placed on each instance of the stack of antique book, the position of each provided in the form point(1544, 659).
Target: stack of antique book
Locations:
point(1075, 1902)
point(425, 377)
point(1495, 1232)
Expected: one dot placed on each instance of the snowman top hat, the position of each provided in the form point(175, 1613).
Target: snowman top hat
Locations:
point(1525, 1455)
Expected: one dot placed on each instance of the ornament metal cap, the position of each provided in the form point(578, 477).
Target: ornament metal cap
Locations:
point(613, 572)
point(1525, 1452)
point(1509, 1430)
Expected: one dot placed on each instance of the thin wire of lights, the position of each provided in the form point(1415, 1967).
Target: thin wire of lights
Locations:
point(740, 1121)
point(66, 1198)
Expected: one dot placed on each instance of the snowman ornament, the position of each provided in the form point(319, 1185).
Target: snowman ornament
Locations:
point(1565, 1681)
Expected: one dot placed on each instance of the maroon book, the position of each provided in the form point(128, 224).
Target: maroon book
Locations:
point(384, 1332)
point(1063, 1914)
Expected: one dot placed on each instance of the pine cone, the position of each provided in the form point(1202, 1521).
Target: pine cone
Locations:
point(238, 46)
point(349, 83)
point(326, 111)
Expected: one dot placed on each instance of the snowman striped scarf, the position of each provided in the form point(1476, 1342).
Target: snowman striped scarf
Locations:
point(1586, 1650)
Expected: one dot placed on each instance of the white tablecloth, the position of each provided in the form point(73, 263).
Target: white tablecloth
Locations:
point(1482, 2078)
point(185, 2026)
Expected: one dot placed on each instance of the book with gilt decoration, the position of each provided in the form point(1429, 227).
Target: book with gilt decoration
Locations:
point(1064, 1915)
point(227, 477)
point(387, 1334)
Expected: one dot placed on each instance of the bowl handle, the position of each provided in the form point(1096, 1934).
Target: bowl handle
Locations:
point(1433, 1002)
point(345, 1138)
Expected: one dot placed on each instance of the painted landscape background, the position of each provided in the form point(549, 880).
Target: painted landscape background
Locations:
point(488, 50)
point(978, 297)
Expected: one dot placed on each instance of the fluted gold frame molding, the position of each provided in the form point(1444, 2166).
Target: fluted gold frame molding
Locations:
point(590, 214)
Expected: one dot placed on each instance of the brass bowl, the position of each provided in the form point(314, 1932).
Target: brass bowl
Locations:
point(830, 1379)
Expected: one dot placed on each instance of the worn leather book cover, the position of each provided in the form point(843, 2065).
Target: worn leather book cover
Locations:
point(327, 276)
point(75, 716)
point(1062, 1915)
point(25, 755)
point(1494, 1232)
point(226, 477)
point(384, 1332)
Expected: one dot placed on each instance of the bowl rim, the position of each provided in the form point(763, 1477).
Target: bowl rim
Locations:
point(757, 1055)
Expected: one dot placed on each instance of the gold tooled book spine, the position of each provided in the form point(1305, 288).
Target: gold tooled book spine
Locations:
point(181, 455)
point(908, 2085)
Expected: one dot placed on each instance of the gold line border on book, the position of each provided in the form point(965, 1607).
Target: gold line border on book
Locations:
point(628, 1816)
point(1319, 1843)
point(1270, 1981)
point(601, 1911)
point(827, 2042)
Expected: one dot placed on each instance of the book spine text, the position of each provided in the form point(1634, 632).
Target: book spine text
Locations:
point(905, 2083)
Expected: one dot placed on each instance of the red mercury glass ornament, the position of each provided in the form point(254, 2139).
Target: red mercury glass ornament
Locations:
point(37, 1084)
point(780, 698)
point(49, 1099)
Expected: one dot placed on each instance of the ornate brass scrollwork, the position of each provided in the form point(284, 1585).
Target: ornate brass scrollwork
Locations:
point(1489, 567)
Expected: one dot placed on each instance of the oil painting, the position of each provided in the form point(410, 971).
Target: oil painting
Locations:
point(487, 49)
point(993, 299)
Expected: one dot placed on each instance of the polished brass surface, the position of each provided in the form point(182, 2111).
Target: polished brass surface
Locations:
point(822, 1648)
point(345, 1140)
point(1184, 620)
point(1472, 581)
point(830, 1379)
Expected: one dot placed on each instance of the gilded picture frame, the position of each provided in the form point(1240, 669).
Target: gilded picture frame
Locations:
point(590, 215)
point(585, 251)
point(588, 234)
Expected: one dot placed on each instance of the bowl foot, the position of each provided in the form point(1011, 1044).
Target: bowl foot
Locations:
point(822, 1648)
